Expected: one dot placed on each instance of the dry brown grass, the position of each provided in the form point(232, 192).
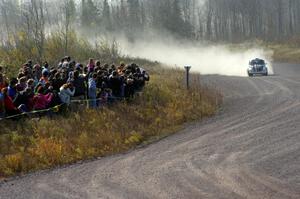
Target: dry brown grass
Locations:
point(285, 53)
point(162, 109)
point(165, 105)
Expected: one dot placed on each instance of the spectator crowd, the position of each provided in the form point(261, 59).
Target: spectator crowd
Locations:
point(39, 87)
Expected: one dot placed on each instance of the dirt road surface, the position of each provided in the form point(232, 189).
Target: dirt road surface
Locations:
point(251, 149)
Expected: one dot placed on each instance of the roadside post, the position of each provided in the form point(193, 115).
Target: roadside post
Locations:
point(187, 69)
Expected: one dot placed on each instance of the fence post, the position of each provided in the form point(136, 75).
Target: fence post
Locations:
point(187, 69)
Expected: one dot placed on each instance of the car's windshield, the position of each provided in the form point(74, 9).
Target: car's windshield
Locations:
point(257, 62)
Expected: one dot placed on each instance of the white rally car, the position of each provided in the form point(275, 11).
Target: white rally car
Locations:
point(257, 67)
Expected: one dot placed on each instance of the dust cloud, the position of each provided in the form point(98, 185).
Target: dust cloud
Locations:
point(206, 59)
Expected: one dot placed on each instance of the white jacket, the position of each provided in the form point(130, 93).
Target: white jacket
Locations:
point(65, 95)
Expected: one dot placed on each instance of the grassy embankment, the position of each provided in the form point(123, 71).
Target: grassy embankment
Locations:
point(285, 53)
point(165, 105)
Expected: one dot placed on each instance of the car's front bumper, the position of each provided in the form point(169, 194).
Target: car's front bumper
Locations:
point(255, 72)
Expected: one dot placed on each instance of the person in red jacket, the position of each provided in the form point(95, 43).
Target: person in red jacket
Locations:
point(3, 83)
point(10, 108)
point(2, 107)
point(40, 100)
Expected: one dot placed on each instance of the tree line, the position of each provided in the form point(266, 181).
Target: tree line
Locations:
point(213, 20)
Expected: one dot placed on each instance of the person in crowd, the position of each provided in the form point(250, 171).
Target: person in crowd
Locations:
point(68, 58)
point(115, 84)
point(48, 88)
point(22, 84)
point(64, 62)
point(121, 69)
point(79, 84)
point(129, 90)
point(65, 65)
point(2, 105)
point(37, 88)
point(105, 96)
point(24, 98)
point(86, 71)
point(60, 64)
point(10, 108)
point(29, 63)
point(52, 73)
point(12, 88)
point(57, 81)
point(91, 65)
point(40, 100)
point(79, 67)
point(37, 73)
point(71, 76)
point(3, 83)
point(45, 78)
point(27, 72)
point(20, 75)
point(45, 67)
point(97, 65)
point(66, 92)
point(92, 92)
point(123, 86)
point(30, 84)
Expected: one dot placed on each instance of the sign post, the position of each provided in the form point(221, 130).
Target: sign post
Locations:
point(187, 69)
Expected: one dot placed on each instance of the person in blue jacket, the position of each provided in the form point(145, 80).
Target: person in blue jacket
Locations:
point(92, 92)
point(12, 88)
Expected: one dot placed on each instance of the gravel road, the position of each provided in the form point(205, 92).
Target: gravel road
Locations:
point(251, 149)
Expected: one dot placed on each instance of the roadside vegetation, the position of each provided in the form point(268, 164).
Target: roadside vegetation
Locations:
point(285, 53)
point(164, 106)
